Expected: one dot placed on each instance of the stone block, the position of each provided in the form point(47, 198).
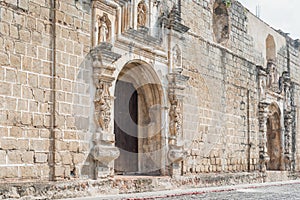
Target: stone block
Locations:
point(5, 88)
point(15, 61)
point(7, 15)
point(64, 108)
point(4, 28)
point(66, 158)
point(59, 171)
point(70, 135)
point(78, 158)
point(20, 48)
point(20, 19)
point(40, 157)
point(16, 132)
point(23, 144)
point(28, 172)
point(34, 9)
point(11, 75)
point(14, 32)
point(9, 144)
point(8, 172)
point(44, 82)
point(3, 130)
point(32, 133)
point(4, 61)
point(38, 119)
point(27, 157)
point(14, 157)
point(73, 146)
point(2, 157)
point(39, 145)
point(37, 38)
point(47, 120)
point(45, 133)
point(23, 106)
point(31, 23)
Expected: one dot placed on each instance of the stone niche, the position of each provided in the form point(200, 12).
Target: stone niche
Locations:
point(220, 21)
point(104, 22)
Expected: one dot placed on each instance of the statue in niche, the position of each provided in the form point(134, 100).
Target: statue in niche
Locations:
point(287, 98)
point(262, 86)
point(176, 57)
point(103, 29)
point(141, 14)
point(273, 75)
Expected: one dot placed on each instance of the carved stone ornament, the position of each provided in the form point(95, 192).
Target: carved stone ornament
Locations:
point(104, 150)
point(263, 154)
point(262, 84)
point(273, 76)
point(176, 57)
point(141, 14)
point(103, 105)
point(177, 83)
point(104, 26)
point(176, 117)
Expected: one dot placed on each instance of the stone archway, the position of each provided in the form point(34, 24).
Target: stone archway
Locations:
point(274, 138)
point(138, 120)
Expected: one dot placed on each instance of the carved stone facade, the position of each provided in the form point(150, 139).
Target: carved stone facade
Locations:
point(175, 90)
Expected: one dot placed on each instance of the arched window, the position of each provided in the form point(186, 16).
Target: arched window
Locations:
point(273, 76)
point(270, 48)
point(220, 21)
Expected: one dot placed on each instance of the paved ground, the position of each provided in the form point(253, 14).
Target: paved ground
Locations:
point(278, 190)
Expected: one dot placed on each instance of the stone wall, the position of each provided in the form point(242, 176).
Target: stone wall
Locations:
point(28, 51)
point(56, 70)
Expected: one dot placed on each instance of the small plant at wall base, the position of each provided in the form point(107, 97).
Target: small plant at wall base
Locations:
point(227, 3)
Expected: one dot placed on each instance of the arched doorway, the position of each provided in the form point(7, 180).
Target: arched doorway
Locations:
point(138, 124)
point(274, 139)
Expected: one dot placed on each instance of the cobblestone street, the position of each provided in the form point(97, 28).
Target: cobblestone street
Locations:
point(290, 191)
point(278, 190)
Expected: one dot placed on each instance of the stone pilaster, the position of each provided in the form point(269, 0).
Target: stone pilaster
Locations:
point(288, 119)
point(176, 154)
point(263, 152)
point(104, 151)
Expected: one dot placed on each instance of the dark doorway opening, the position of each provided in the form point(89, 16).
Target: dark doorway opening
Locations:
point(125, 127)
point(274, 140)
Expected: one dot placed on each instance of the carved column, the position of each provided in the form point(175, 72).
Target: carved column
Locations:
point(263, 152)
point(263, 116)
point(288, 119)
point(176, 153)
point(294, 126)
point(104, 150)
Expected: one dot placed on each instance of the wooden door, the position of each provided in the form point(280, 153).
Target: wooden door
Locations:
point(125, 127)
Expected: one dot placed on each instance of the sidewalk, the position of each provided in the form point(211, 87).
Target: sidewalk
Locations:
point(180, 192)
